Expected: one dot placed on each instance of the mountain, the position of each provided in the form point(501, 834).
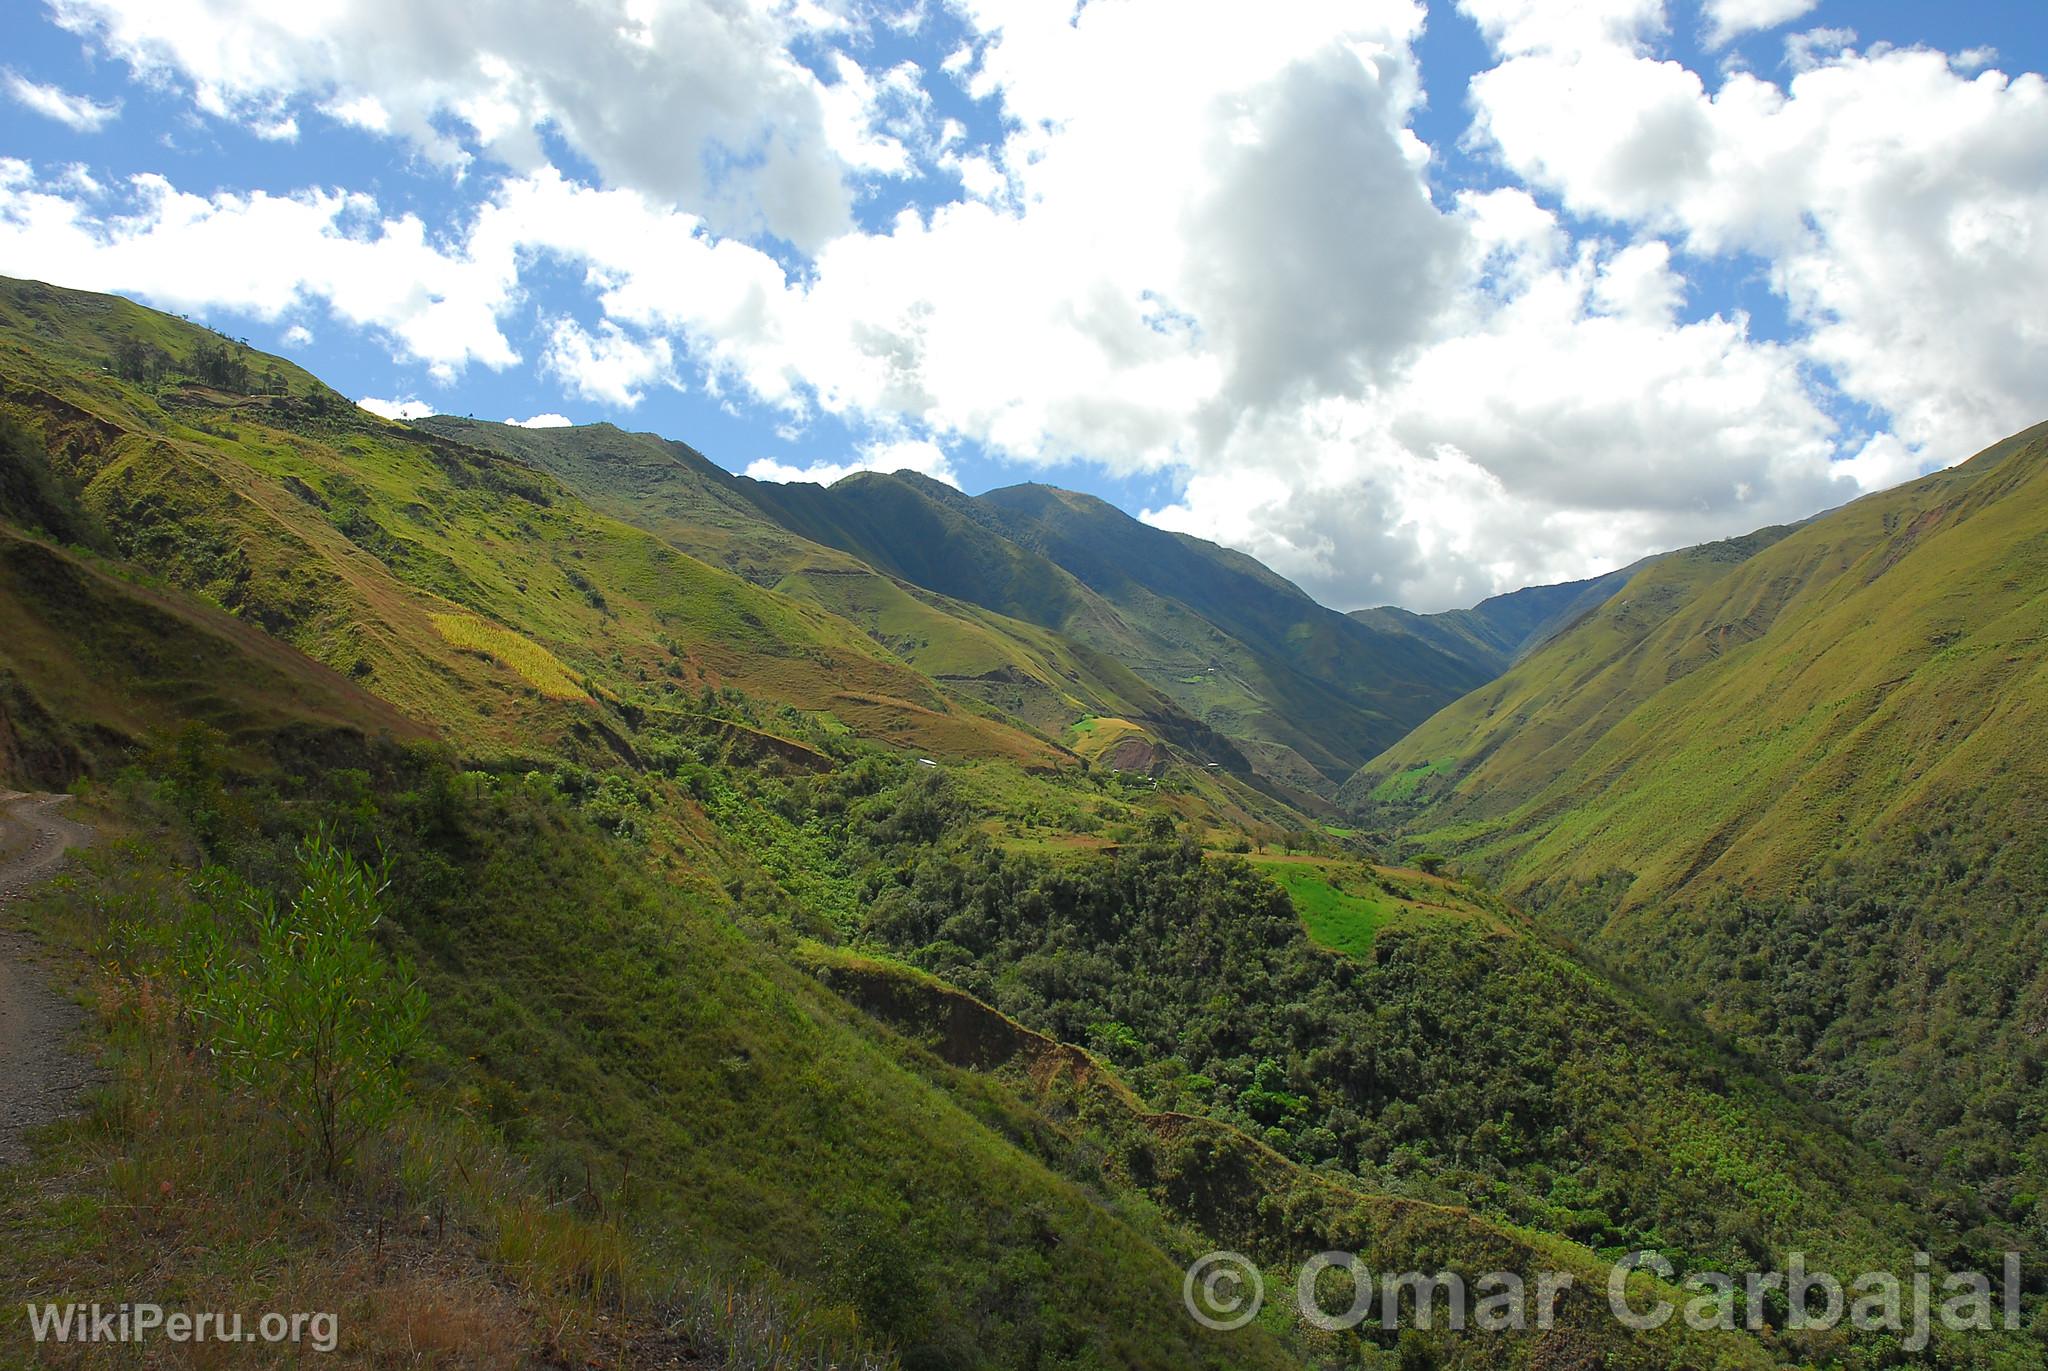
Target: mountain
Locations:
point(93, 667)
point(1278, 683)
point(1247, 650)
point(787, 983)
point(1500, 630)
point(1798, 780)
point(462, 587)
point(974, 653)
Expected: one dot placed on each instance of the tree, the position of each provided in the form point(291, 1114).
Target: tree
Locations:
point(140, 362)
point(33, 494)
point(220, 365)
point(304, 1010)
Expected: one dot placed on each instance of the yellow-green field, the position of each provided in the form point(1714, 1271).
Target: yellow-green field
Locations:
point(537, 666)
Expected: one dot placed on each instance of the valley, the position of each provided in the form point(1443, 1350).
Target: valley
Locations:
point(871, 925)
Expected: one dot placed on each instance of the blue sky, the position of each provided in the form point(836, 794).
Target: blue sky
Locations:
point(1415, 305)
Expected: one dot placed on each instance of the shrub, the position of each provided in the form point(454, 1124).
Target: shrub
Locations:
point(299, 1005)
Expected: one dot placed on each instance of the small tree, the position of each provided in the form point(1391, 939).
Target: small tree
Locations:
point(220, 365)
point(307, 1012)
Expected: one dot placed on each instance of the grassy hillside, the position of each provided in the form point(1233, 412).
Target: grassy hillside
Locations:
point(600, 954)
point(1236, 644)
point(596, 951)
point(788, 1002)
point(379, 550)
point(1209, 650)
point(976, 652)
point(1799, 781)
point(1500, 630)
point(92, 667)
point(1742, 712)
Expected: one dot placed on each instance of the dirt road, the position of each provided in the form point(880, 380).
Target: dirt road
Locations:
point(41, 1069)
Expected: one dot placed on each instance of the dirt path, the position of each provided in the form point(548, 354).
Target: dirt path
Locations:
point(41, 1071)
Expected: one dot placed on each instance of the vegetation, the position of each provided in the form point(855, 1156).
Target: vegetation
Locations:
point(32, 494)
point(1451, 1061)
point(1794, 782)
point(535, 664)
point(297, 1004)
point(1145, 625)
point(562, 903)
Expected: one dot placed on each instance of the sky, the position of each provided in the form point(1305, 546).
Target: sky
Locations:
point(1417, 303)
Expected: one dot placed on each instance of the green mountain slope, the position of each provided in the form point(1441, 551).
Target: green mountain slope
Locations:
point(587, 984)
point(1799, 780)
point(727, 978)
point(1240, 646)
point(1295, 691)
point(464, 588)
point(973, 651)
point(94, 668)
point(1500, 630)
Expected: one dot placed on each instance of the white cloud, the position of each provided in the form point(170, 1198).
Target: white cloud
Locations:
point(1569, 424)
point(267, 255)
point(912, 454)
point(397, 409)
point(283, 129)
point(79, 112)
point(1728, 20)
point(298, 336)
point(543, 421)
point(78, 180)
point(699, 105)
point(1530, 26)
point(1206, 245)
point(608, 366)
point(1805, 51)
point(1901, 206)
point(872, 124)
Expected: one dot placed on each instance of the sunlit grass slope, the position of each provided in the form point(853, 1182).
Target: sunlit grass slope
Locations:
point(976, 650)
point(1745, 711)
point(1798, 785)
point(354, 539)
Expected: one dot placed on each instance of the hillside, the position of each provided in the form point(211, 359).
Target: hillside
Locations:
point(94, 667)
point(765, 965)
point(1274, 682)
point(463, 588)
point(1500, 630)
point(976, 653)
point(1240, 646)
point(1799, 781)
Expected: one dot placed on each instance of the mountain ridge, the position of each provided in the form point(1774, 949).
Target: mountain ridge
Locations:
point(1266, 677)
point(1798, 782)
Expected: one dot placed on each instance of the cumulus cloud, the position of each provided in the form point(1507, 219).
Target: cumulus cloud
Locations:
point(543, 421)
point(265, 255)
point(1728, 20)
point(608, 366)
point(1884, 189)
point(80, 113)
point(904, 454)
point(699, 105)
point(397, 409)
point(1206, 244)
point(1571, 422)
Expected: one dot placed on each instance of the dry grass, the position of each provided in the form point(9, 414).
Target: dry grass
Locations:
point(534, 664)
point(172, 1189)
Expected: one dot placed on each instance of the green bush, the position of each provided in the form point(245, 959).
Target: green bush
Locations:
point(33, 494)
point(299, 1004)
